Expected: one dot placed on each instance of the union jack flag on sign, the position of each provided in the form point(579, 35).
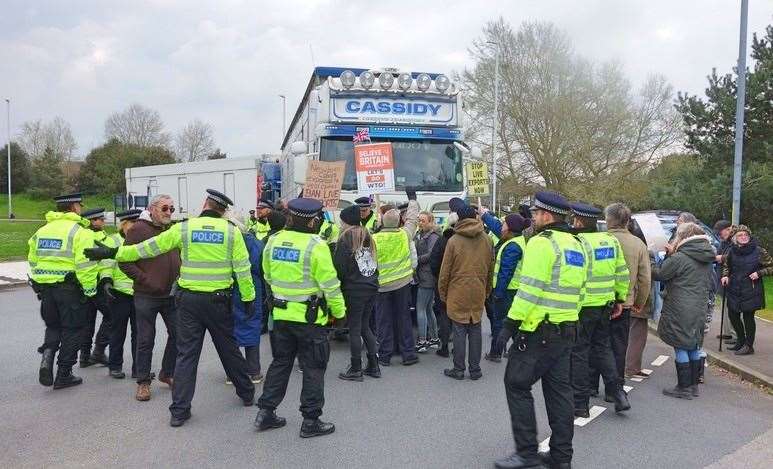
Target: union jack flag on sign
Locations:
point(361, 135)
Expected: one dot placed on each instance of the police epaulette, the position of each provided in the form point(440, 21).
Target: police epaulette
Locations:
point(546, 233)
point(174, 222)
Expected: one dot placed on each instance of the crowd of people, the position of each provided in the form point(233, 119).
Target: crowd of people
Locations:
point(566, 304)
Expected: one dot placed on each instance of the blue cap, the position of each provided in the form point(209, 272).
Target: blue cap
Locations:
point(551, 202)
point(93, 213)
point(455, 204)
point(586, 211)
point(132, 214)
point(219, 197)
point(68, 198)
point(303, 207)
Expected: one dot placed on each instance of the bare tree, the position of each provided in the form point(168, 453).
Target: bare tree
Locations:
point(195, 142)
point(137, 125)
point(564, 122)
point(36, 136)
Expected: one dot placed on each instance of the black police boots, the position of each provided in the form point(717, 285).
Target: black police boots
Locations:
point(547, 460)
point(372, 369)
point(65, 378)
point(354, 373)
point(46, 374)
point(316, 427)
point(85, 358)
point(514, 461)
point(267, 419)
point(620, 398)
point(98, 355)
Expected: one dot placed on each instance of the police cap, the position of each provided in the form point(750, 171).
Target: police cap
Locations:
point(69, 198)
point(584, 210)
point(93, 213)
point(304, 208)
point(219, 197)
point(552, 202)
point(132, 214)
point(363, 202)
point(265, 204)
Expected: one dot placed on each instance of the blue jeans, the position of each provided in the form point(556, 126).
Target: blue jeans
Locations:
point(684, 356)
point(425, 316)
point(501, 308)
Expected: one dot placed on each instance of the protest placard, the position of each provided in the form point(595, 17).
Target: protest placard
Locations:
point(323, 182)
point(477, 179)
point(375, 168)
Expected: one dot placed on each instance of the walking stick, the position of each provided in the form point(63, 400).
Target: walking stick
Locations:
point(722, 319)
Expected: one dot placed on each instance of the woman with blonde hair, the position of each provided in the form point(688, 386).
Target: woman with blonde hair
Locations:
point(425, 240)
point(686, 273)
point(355, 260)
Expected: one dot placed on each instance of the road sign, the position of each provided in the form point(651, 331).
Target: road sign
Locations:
point(477, 179)
point(375, 168)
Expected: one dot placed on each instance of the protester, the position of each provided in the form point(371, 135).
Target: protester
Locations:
point(436, 261)
point(464, 283)
point(355, 261)
point(683, 317)
point(425, 241)
point(743, 267)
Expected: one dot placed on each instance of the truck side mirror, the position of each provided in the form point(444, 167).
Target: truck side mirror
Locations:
point(300, 162)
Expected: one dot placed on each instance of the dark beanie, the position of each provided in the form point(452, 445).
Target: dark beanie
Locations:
point(517, 223)
point(721, 225)
point(350, 215)
point(455, 204)
point(465, 212)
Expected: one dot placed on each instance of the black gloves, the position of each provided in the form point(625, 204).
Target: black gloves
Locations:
point(105, 285)
point(100, 251)
point(508, 330)
point(249, 309)
point(410, 191)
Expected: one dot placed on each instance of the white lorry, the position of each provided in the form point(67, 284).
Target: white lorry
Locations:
point(419, 113)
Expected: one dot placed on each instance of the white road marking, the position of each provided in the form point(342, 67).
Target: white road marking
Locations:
point(627, 389)
point(660, 360)
point(545, 445)
point(595, 411)
point(646, 371)
point(637, 380)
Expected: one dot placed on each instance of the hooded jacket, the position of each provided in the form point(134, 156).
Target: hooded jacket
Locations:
point(425, 242)
point(743, 293)
point(686, 274)
point(466, 272)
point(152, 277)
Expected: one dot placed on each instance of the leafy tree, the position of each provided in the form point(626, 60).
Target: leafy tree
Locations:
point(20, 169)
point(47, 177)
point(104, 167)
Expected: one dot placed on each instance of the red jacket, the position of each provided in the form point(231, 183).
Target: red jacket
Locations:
point(152, 277)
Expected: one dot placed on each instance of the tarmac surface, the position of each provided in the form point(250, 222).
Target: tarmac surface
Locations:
point(412, 417)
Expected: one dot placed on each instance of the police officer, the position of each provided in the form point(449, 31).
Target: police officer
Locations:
point(298, 266)
point(367, 215)
point(96, 218)
point(213, 253)
point(542, 321)
point(606, 289)
point(63, 279)
point(329, 230)
point(261, 226)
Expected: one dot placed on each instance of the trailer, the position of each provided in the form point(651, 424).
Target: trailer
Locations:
point(241, 179)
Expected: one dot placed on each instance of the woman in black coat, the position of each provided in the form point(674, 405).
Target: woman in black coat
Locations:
point(742, 270)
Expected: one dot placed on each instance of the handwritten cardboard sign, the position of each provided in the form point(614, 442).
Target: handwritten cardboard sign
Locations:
point(323, 182)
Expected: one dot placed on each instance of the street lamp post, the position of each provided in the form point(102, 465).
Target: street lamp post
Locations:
point(10, 206)
point(740, 102)
point(284, 110)
point(494, 129)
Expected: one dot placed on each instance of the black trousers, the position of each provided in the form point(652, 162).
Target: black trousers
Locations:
point(618, 337)
point(467, 334)
point(64, 311)
point(744, 326)
point(443, 323)
point(393, 308)
point(310, 344)
point(122, 311)
point(102, 339)
point(198, 313)
point(358, 311)
point(592, 348)
point(531, 360)
point(146, 309)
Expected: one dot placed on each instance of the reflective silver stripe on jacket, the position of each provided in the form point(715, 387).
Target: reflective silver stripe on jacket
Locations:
point(533, 282)
point(542, 301)
point(68, 252)
point(198, 276)
point(184, 237)
point(307, 281)
point(206, 264)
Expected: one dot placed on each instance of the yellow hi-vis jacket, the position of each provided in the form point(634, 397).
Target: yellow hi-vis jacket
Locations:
point(212, 251)
point(607, 271)
point(521, 242)
point(298, 265)
point(393, 253)
point(56, 249)
point(121, 281)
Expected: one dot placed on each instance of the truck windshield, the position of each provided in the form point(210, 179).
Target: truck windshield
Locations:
point(425, 164)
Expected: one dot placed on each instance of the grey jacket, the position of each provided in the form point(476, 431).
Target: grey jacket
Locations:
point(686, 298)
point(424, 243)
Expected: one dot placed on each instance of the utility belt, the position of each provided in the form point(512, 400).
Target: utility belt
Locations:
point(546, 332)
point(218, 296)
point(312, 305)
point(70, 282)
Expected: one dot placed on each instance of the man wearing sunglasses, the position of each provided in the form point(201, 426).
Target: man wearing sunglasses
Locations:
point(153, 280)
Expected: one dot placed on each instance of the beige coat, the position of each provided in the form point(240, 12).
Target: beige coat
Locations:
point(638, 260)
point(467, 271)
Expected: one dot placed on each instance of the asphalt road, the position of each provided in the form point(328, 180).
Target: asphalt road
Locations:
point(412, 417)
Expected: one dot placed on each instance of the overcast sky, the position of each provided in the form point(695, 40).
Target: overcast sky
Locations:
point(225, 62)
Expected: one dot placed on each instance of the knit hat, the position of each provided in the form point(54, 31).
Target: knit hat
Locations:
point(517, 223)
point(466, 212)
point(350, 215)
point(721, 225)
point(455, 204)
point(391, 219)
point(738, 228)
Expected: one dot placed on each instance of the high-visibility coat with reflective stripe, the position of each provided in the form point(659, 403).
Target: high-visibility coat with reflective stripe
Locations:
point(607, 271)
point(521, 242)
point(121, 281)
point(298, 265)
point(552, 279)
point(370, 225)
point(105, 266)
point(56, 249)
point(260, 228)
point(212, 251)
point(329, 231)
point(393, 254)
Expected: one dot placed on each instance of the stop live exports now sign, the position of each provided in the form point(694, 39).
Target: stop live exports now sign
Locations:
point(477, 179)
point(375, 168)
